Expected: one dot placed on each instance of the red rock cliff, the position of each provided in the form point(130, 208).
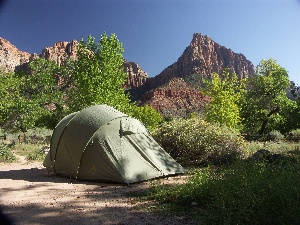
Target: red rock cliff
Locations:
point(11, 57)
point(204, 56)
point(175, 98)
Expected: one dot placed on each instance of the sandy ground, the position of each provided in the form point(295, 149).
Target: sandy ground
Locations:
point(29, 196)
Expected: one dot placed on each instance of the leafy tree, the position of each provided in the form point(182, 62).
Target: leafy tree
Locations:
point(31, 99)
point(288, 117)
point(98, 75)
point(42, 88)
point(266, 98)
point(12, 103)
point(17, 112)
point(226, 94)
point(48, 92)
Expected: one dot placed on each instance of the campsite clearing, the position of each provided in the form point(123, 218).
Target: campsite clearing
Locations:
point(29, 196)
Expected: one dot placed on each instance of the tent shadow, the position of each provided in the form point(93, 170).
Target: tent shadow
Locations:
point(40, 175)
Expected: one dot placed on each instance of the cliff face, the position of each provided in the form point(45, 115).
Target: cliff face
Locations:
point(11, 57)
point(171, 95)
point(175, 98)
point(204, 56)
point(136, 76)
point(60, 52)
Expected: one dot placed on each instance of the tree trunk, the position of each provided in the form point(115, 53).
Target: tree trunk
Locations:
point(265, 122)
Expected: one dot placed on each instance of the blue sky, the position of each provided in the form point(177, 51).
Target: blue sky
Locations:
point(156, 32)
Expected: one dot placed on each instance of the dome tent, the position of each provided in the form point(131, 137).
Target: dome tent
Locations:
point(101, 143)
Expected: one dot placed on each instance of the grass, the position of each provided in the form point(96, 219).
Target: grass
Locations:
point(29, 147)
point(6, 153)
point(274, 147)
point(246, 192)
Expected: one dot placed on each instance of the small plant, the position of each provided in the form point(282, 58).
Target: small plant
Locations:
point(294, 135)
point(275, 135)
point(6, 154)
point(274, 147)
point(26, 149)
point(36, 156)
point(38, 135)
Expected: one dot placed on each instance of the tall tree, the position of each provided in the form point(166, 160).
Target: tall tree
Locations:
point(48, 92)
point(98, 74)
point(31, 99)
point(42, 87)
point(226, 93)
point(265, 97)
point(13, 105)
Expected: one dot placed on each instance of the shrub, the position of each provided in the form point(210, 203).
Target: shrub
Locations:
point(38, 135)
point(274, 147)
point(244, 193)
point(37, 155)
point(194, 142)
point(275, 135)
point(294, 135)
point(6, 154)
point(147, 115)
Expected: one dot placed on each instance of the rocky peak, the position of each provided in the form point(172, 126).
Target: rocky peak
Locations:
point(208, 56)
point(204, 56)
point(11, 57)
point(174, 91)
point(136, 76)
point(61, 51)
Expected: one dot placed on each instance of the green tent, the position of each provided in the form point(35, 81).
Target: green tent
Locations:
point(102, 144)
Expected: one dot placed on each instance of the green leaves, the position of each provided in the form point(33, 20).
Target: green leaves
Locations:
point(196, 142)
point(226, 94)
point(31, 99)
point(48, 91)
point(265, 92)
point(98, 74)
point(98, 77)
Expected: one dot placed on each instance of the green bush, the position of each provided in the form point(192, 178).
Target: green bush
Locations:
point(147, 115)
point(294, 135)
point(195, 142)
point(274, 147)
point(36, 156)
point(244, 193)
point(275, 135)
point(38, 135)
point(6, 154)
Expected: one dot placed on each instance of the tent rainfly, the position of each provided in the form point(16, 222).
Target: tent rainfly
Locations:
point(100, 143)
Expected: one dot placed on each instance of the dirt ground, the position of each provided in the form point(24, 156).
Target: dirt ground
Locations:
point(29, 196)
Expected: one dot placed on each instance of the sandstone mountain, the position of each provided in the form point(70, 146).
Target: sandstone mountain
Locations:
point(173, 92)
point(203, 57)
point(199, 60)
point(11, 57)
point(136, 76)
point(175, 98)
point(60, 52)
